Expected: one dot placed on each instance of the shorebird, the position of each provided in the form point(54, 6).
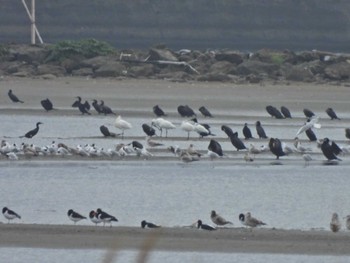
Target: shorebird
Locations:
point(218, 220)
point(9, 214)
point(214, 146)
point(274, 112)
point(161, 124)
point(158, 111)
point(33, 132)
point(74, 216)
point(122, 125)
point(275, 146)
point(233, 136)
point(13, 97)
point(250, 221)
point(93, 217)
point(148, 130)
point(200, 225)
point(105, 217)
point(185, 111)
point(330, 151)
point(308, 113)
point(307, 158)
point(83, 107)
point(145, 224)
point(105, 131)
point(335, 224)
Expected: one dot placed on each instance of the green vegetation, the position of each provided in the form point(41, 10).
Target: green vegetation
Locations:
point(4, 50)
point(277, 58)
point(86, 48)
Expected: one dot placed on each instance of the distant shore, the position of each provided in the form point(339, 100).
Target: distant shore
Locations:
point(225, 240)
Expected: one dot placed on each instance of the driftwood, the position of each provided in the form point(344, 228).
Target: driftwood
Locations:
point(128, 58)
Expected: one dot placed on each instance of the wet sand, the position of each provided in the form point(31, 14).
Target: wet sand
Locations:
point(133, 97)
point(224, 240)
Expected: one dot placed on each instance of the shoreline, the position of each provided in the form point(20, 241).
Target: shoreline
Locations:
point(223, 240)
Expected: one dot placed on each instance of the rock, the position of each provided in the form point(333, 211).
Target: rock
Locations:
point(111, 69)
point(161, 54)
point(48, 76)
point(299, 73)
point(229, 56)
point(338, 71)
point(96, 62)
point(223, 67)
point(215, 77)
point(83, 72)
point(29, 53)
point(256, 67)
point(141, 70)
point(51, 69)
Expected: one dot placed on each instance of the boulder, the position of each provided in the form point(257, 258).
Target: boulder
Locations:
point(161, 54)
point(96, 62)
point(141, 70)
point(55, 70)
point(256, 67)
point(299, 73)
point(338, 71)
point(223, 67)
point(215, 77)
point(29, 53)
point(233, 57)
point(83, 72)
point(111, 69)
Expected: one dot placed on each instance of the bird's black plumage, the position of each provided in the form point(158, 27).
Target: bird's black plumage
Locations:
point(274, 112)
point(145, 224)
point(13, 97)
point(105, 216)
point(247, 132)
point(185, 111)
point(158, 111)
point(105, 131)
point(236, 142)
point(260, 130)
point(204, 226)
point(328, 151)
point(72, 213)
point(275, 146)
point(105, 109)
point(285, 111)
point(205, 112)
point(136, 144)
point(215, 147)
point(33, 132)
point(331, 113)
point(96, 106)
point(347, 133)
point(308, 113)
point(83, 108)
point(47, 104)
point(150, 131)
point(311, 135)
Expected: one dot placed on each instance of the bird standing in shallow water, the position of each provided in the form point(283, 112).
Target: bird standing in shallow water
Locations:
point(328, 151)
point(335, 224)
point(9, 214)
point(247, 132)
point(33, 132)
point(218, 220)
point(250, 221)
point(260, 130)
point(158, 111)
point(205, 112)
point(74, 216)
point(122, 125)
point(331, 113)
point(13, 97)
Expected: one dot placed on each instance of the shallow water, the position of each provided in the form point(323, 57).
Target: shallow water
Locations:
point(19, 255)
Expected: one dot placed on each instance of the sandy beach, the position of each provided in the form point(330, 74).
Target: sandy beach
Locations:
point(131, 97)
point(225, 240)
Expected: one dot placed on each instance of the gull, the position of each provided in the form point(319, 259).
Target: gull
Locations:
point(335, 224)
point(299, 147)
point(161, 124)
point(122, 125)
point(311, 123)
point(307, 158)
point(218, 220)
point(152, 143)
point(248, 158)
point(250, 221)
point(187, 158)
point(12, 156)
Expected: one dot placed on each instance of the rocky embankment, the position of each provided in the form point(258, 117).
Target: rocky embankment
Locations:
point(183, 65)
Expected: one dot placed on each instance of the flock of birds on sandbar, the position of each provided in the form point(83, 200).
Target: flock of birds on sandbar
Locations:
point(330, 149)
point(99, 216)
